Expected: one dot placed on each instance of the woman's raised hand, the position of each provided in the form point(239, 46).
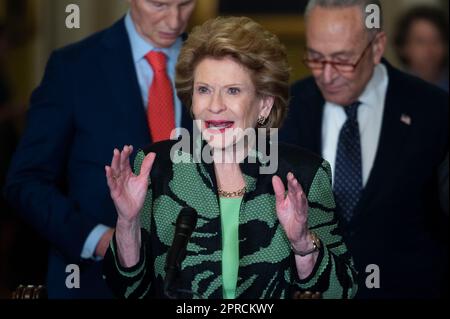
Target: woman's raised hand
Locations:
point(128, 190)
point(292, 208)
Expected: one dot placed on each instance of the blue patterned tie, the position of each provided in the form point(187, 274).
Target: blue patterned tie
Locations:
point(348, 170)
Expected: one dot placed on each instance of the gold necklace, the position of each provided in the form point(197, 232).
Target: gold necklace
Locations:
point(238, 193)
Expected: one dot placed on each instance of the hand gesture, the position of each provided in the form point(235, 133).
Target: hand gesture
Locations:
point(292, 209)
point(128, 190)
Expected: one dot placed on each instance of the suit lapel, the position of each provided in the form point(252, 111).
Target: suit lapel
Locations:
point(394, 130)
point(120, 74)
point(312, 122)
point(316, 119)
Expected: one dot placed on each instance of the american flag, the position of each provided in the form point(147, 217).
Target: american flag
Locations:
point(406, 119)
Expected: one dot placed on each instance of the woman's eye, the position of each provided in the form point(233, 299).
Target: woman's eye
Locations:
point(234, 91)
point(202, 90)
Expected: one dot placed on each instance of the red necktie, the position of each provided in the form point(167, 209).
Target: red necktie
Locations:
point(160, 106)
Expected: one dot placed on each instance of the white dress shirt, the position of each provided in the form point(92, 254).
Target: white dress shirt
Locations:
point(370, 118)
point(139, 49)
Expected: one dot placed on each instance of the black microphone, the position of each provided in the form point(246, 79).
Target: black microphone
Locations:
point(185, 225)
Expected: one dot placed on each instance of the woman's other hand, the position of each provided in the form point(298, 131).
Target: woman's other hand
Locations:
point(292, 211)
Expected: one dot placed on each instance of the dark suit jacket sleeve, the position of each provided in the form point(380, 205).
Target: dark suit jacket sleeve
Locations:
point(443, 185)
point(36, 180)
point(334, 275)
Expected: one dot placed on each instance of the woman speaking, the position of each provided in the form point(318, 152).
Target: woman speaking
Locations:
point(257, 234)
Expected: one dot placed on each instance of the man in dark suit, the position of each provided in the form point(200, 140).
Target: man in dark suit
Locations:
point(96, 95)
point(385, 134)
point(443, 185)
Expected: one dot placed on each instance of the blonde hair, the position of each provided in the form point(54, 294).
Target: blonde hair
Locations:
point(250, 45)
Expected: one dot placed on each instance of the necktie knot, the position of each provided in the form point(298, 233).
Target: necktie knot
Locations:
point(157, 60)
point(352, 111)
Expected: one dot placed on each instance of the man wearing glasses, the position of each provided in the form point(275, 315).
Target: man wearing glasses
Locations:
point(385, 134)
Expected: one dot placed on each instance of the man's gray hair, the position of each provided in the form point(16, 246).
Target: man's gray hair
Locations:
point(339, 4)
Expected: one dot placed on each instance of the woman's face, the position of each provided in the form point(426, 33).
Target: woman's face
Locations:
point(425, 49)
point(224, 99)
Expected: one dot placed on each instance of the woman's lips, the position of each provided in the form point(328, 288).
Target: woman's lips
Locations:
point(218, 126)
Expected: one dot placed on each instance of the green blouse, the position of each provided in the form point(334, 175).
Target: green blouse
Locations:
point(229, 215)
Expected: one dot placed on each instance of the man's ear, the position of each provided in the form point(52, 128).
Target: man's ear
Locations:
point(379, 47)
point(266, 106)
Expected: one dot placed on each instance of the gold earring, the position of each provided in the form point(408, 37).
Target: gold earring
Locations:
point(261, 121)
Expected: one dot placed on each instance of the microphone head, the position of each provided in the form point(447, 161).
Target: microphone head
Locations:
point(185, 225)
point(187, 219)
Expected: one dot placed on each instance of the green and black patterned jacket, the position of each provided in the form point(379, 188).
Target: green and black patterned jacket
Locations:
point(266, 263)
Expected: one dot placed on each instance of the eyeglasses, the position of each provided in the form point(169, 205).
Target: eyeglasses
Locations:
point(341, 67)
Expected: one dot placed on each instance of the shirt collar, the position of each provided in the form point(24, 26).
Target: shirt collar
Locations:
point(374, 92)
point(140, 47)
